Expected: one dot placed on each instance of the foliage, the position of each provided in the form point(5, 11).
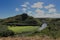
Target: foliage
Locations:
point(53, 28)
point(6, 33)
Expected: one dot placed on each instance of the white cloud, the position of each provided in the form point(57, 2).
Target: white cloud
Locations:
point(42, 14)
point(52, 10)
point(37, 5)
point(24, 9)
point(17, 9)
point(56, 15)
point(29, 13)
point(25, 4)
point(50, 6)
point(39, 11)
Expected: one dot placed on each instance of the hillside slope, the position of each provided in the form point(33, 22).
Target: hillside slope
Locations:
point(22, 19)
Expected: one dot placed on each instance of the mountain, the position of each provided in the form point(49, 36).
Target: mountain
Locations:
point(22, 19)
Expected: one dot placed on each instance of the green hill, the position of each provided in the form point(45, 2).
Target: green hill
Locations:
point(53, 28)
point(22, 19)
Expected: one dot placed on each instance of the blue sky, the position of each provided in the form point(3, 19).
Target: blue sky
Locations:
point(14, 7)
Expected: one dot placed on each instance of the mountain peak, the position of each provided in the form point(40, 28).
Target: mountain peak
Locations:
point(24, 16)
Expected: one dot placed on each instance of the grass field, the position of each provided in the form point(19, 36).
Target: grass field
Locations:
point(20, 29)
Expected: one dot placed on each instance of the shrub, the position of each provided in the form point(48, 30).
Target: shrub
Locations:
point(7, 33)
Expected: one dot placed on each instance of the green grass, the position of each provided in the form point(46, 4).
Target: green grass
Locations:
point(20, 29)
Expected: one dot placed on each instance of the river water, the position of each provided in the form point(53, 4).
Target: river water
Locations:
point(43, 26)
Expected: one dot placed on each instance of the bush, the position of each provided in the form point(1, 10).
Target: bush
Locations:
point(7, 33)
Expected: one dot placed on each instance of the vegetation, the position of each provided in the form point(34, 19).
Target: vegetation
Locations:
point(53, 28)
point(15, 23)
point(22, 19)
point(20, 29)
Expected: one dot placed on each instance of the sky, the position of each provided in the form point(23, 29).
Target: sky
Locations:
point(35, 8)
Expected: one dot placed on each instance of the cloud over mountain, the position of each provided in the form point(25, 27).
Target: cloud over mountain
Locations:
point(37, 5)
point(40, 10)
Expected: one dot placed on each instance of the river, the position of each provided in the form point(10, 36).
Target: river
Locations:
point(43, 26)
